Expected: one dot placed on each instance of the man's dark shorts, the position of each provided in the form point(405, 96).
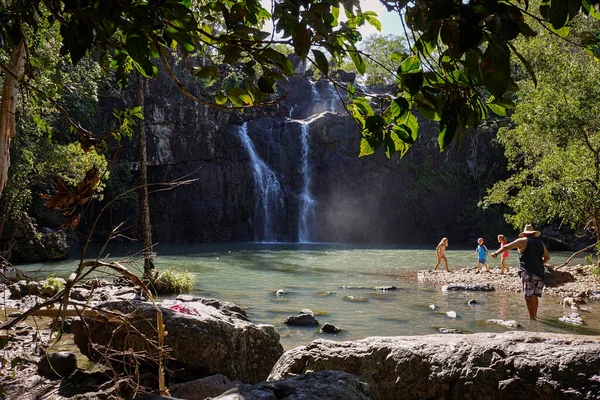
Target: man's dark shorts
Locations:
point(532, 284)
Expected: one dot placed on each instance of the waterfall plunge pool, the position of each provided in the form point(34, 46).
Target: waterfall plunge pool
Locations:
point(249, 274)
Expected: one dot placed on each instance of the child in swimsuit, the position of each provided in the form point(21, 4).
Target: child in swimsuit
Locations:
point(504, 267)
point(441, 253)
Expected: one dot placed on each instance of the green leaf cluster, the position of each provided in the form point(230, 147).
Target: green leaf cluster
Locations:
point(459, 65)
point(553, 148)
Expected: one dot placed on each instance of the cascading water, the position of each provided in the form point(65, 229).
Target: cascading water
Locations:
point(307, 203)
point(269, 198)
point(333, 97)
point(315, 92)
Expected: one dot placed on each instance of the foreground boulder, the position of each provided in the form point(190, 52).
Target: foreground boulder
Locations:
point(511, 365)
point(331, 385)
point(202, 339)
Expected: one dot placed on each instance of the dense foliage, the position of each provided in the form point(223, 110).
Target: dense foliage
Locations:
point(44, 151)
point(553, 148)
point(377, 51)
point(460, 66)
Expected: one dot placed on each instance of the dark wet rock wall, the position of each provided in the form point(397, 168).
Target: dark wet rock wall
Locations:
point(419, 198)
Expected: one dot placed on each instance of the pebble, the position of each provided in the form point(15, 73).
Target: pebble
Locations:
point(451, 314)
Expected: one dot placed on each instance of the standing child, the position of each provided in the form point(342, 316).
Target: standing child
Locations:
point(481, 254)
point(504, 267)
point(441, 253)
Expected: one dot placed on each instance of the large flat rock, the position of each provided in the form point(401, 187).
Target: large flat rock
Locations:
point(510, 365)
point(211, 340)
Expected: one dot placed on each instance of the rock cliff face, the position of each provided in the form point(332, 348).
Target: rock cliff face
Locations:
point(291, 172)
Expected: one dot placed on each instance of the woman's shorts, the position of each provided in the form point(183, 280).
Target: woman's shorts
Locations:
point(532, 284)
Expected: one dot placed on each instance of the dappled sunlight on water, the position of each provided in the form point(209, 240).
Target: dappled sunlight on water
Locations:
point(250, 274)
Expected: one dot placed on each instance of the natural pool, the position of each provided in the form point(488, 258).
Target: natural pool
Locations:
point(249, 274)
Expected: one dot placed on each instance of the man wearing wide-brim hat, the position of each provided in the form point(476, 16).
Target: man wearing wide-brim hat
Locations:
point(532, 256)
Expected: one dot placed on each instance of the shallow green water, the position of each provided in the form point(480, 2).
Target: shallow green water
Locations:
point(249, 274)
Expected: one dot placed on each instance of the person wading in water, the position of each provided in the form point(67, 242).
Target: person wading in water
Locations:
point(532, 256)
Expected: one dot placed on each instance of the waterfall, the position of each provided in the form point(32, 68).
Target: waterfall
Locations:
point(307, 203)
point(315, 93)
point(333, 95)
point(269, 198)
point(291, 112)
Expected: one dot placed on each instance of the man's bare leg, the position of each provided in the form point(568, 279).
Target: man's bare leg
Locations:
point(532, 306)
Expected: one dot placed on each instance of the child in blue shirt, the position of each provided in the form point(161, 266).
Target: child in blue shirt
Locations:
point(481, 253)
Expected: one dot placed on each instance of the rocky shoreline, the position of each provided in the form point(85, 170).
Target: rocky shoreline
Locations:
point(570, 281)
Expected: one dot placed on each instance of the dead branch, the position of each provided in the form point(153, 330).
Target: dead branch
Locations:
point(575, 254)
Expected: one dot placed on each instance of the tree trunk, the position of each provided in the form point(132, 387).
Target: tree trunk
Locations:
point(145, 208)
point(8, 107)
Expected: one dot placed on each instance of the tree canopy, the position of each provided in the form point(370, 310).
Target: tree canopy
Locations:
point(379, 67)
point(457, 68)
point(553, 145)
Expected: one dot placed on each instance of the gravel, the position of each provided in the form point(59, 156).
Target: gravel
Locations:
point(585, 282)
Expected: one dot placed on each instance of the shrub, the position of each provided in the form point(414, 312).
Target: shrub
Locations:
point(173, 281)
point(52, 285)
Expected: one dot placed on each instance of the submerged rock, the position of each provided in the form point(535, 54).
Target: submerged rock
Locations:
point(449, 330)
point(452, 314)
point(301, 320)
point(324, 294)
point(356, 288)
point(386, 288)
point(573, 318)
point(432, 306)
point(510, 365)
point(328, 328)
point(208, 342)
point(477, 287)
point(330, 385)
point(358, 299)
point(472, 302)
point(511, 323)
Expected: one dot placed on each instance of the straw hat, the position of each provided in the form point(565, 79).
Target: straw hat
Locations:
point(528, 230)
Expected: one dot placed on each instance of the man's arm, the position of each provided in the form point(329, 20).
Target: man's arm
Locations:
point(520, 243)
point(546, 255)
